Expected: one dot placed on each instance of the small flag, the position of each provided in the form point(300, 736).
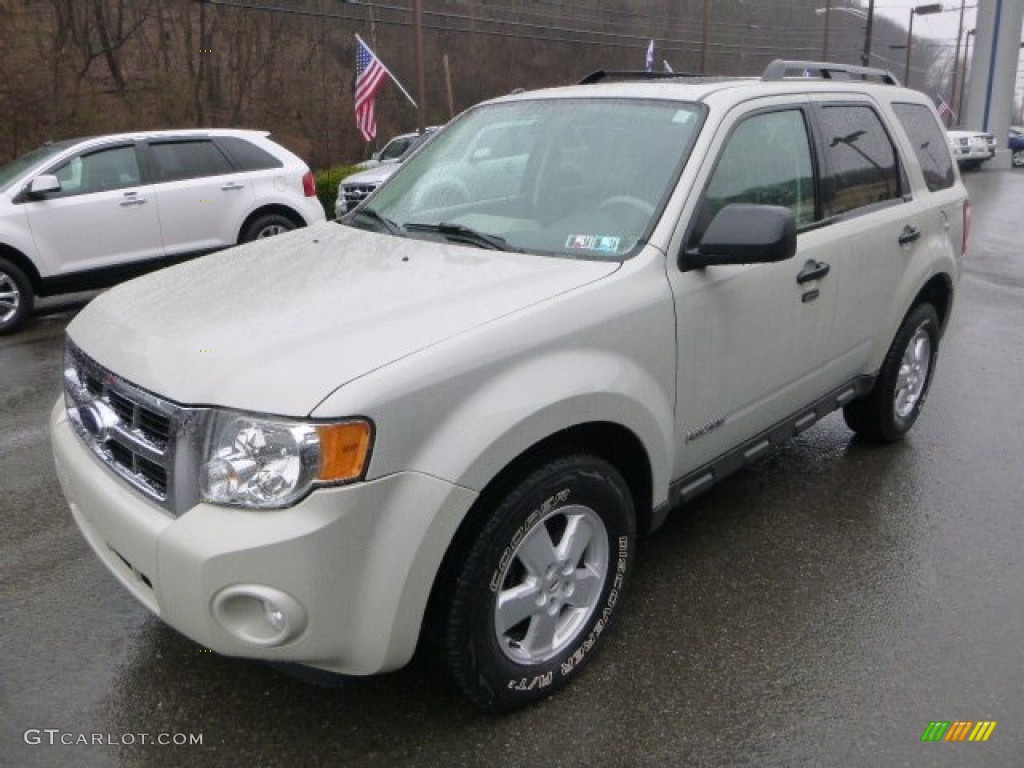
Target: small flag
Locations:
point(369, 76)
point(944, 108)
point(668, 67)
point(649, 62)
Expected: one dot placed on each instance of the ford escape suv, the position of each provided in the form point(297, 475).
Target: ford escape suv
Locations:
point(86, 213)
point(447, 419)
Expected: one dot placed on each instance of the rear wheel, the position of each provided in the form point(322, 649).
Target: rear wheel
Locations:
point(888, 412)
point(16, 297)
point(267, 225)
point(1018, 158)
point(536, 592)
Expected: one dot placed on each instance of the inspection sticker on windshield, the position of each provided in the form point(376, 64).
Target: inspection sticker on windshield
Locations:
point(600, 243)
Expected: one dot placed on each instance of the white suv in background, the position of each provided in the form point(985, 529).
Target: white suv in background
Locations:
point(472, 397)
point(87, 213)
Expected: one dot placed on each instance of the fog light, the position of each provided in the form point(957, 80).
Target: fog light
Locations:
point(258, 615)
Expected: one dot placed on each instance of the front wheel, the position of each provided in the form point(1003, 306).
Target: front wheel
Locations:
point(888, 412)
point(538, 588)
point(16, 297)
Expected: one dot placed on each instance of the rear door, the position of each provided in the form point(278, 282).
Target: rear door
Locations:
point(202, 199)
point(872, 222)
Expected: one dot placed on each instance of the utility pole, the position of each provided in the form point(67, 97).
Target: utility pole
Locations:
point(956, 69)
point(704, 38)
point(824, 45)
point(865, 58)
point(420, 81)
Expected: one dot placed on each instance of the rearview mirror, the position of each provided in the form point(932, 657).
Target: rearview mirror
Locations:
point(742, 233)
point(40, 185)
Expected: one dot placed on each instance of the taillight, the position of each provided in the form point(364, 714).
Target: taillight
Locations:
point(309, 184)
point(967, 225)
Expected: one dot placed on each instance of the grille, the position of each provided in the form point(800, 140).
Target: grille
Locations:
point(141, 438)
point(356, 193)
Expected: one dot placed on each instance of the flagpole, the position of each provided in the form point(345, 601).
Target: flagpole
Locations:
point(393, 78)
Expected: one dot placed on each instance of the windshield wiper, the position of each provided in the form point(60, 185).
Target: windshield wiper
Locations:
point(371, 213)
point(462, 233)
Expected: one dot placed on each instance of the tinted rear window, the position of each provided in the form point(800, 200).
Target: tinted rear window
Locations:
point(188, 160)
point(930, 145)
point(247, 156)
point(862, 164)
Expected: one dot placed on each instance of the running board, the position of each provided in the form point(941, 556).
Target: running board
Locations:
point(695, 483)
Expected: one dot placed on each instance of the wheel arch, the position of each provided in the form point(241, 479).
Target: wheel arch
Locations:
point(613, 442)
point(938, 292)
point(24, 263)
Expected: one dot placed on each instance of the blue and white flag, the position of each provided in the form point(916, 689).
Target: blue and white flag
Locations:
point(649, 63)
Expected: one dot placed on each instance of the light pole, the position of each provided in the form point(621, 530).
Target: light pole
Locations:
point(963, 76)
point(920, 10)
point(869, 17)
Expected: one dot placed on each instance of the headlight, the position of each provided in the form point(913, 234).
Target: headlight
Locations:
point(268, 463)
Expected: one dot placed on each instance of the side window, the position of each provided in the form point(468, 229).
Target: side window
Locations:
point(106, 169)
point(766, 161)
point(930, 144)
point(246, 155)
point(861, 161)
point(177, 160)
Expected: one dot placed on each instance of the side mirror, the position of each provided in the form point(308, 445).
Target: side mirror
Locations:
point(376, 155)
point(40, 185)
point(742, 233)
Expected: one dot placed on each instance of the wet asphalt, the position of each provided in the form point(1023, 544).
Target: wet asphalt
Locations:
point(817, 609)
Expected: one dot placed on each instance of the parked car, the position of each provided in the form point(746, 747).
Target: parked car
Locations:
point(1016, 144)
point(353, 189)
point(394, 149)
point(87, 213)
point(972, 148)
point(459, 410)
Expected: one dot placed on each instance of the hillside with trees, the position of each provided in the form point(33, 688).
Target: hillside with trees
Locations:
point(81, 67)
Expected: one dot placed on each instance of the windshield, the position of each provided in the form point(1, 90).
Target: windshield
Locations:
point(574, 177)
point(10, 172)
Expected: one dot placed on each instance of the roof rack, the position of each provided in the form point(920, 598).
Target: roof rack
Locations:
point(631, 74)
point(781, 69)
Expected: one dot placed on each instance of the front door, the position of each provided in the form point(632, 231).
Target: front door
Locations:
point(753, 339)
point(102, 216)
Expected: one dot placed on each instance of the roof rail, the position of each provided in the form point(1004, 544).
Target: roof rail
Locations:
point(631, 74)
point(781, 69)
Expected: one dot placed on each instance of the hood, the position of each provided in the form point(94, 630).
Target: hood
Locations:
point(375, 175)
point(276, 325)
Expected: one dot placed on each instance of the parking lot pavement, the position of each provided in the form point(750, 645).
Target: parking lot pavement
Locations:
point(819, 609)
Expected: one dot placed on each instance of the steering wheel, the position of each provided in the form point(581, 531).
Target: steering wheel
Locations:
point(628, 208)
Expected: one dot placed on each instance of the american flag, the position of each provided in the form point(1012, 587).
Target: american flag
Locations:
point(944, 108)
point(369, 76)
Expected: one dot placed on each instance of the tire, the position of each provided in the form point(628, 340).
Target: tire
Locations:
point(1018, 158)
point(267, 225)
point(888, 412)
point(522, 621)
point(16, 297)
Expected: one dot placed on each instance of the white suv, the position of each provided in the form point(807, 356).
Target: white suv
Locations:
point(87, 213)
point(449, 419)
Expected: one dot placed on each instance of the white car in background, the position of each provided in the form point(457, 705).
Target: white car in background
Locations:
point(353, 189)
point(971, 148)
point(88, 213)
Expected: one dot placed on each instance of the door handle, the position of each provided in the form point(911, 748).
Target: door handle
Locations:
point(812, 271)
point(133, 201)
point(232, 186)
point(909, 235)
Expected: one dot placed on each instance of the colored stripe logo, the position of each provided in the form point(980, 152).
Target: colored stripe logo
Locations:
point(958, 730)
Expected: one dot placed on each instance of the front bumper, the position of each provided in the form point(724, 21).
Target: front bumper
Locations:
point(358, 561)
